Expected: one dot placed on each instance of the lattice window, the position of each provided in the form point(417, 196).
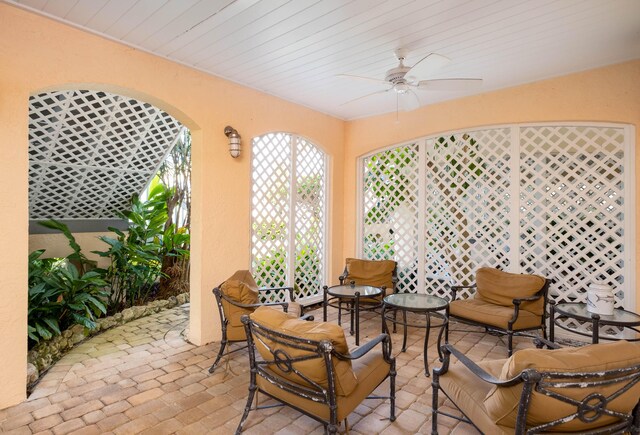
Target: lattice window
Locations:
point(572, 202)
point(545, 199)
point(90, 151)
point(466, 206)
point(390, 207)
point(289, 214)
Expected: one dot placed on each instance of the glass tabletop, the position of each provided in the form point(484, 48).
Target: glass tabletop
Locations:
point(349, 291)
point(579, 311)
point(416, 302)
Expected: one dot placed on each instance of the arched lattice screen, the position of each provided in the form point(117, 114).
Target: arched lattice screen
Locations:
point(89, 151)
point(288, 216)
point(551, 199)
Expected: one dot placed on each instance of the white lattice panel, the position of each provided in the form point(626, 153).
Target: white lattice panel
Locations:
point(560, 187)
point(90, 151)
point(270, 208)
point(288, 214)
point(390, 208)
point(572, 207)
point(466, 206)
point(309, 220)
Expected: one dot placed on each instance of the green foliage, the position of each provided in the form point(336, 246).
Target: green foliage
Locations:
point(77, 257)
point(59, 296)
point(136, 256)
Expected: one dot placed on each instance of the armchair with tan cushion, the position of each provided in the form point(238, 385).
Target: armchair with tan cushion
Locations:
point(240, 295)
point(308, 366)
point(507, 303)
point(592, 389)
point(374, 273)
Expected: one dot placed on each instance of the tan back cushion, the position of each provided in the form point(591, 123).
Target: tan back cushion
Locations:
point(376, 273)
point(241, 288)
point(314, 369)
point(500, 288)
point(502, 402)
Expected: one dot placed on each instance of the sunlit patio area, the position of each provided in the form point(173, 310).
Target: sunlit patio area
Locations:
point(145, 377)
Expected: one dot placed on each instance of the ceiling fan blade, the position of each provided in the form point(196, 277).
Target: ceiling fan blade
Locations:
point(409, 101)
point(450, 84)
point(365, 96)
point(369, 79)
point(428, 65)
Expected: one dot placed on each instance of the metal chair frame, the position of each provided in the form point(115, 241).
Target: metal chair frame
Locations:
point(224, 321)
point(307, 388)
point(588, 410)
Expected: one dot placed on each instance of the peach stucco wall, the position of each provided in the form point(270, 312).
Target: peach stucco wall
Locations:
point(40, 54)
point(57, 245)
point(609, 94)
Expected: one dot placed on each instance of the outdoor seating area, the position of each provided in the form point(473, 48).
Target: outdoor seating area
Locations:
point(319, 216)
point(145, 377)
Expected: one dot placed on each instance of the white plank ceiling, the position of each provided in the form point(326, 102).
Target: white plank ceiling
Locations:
point(295, 49)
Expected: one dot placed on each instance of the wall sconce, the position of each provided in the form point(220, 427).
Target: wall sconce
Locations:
point(234, 141)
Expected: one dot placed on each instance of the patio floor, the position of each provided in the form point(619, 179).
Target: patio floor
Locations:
point(144, 377)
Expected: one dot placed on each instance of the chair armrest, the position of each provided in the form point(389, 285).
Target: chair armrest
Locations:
point(288, 289)
point(535, 297)
point(342, 277)
point(266, 304)
point(361, 351)
point(455, 288)
point(477, 370)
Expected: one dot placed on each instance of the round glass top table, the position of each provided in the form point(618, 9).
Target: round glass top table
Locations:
point(578, 311)
point(419, 304)
point(353, 298)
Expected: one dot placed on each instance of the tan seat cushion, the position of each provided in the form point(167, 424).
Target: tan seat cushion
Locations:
point(370, 371)
point(376, 273)
point(468, 392)
point(500, 288)
point(314, 369)
point(487, 313)
point(502, 403)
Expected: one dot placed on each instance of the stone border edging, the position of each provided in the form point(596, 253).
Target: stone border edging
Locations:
point(46, 353)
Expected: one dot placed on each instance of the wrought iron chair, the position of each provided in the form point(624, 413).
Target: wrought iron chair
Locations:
point(375, 273)
point(240, 295)
point(308, 366)
point(506, 303)
point(592, 389)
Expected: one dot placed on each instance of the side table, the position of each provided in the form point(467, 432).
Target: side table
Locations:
point(419, 304)
point(573, 310)
point(336, 295)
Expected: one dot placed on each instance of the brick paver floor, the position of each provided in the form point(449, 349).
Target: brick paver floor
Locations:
point(144, 377)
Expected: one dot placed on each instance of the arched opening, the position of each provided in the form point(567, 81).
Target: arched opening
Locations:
point(110, 176)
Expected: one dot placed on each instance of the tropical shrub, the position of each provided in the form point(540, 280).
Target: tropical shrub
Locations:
point(59, 296)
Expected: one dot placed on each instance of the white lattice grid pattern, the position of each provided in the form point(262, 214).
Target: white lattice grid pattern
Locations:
point(89, 151)
point(572, 209)
point(466, 207)
point(309, 220)
point(390, 211)
point(270, 208)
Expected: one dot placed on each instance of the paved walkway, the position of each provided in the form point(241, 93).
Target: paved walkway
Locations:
point(143, 377)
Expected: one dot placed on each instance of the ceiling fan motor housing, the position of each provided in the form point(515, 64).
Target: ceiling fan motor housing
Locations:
point(396, 75)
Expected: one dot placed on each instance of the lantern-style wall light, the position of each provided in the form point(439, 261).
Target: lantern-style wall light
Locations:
point(234, 141)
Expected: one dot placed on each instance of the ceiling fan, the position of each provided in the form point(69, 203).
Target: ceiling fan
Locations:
point(404, 80)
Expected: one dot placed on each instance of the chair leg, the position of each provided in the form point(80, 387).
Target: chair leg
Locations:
point(247, 408)
point(510, 342)
point(392, 392)
point(435, 385)
point(223, 345)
